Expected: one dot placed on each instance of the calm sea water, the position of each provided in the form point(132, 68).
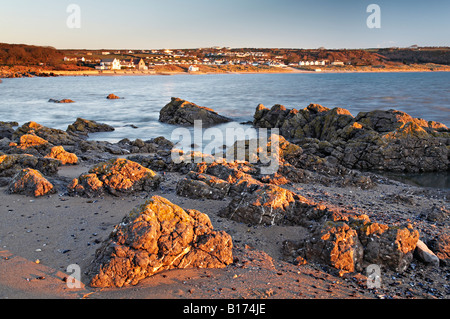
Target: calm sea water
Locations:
point(425, 95)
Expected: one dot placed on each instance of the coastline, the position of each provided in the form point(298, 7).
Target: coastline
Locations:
point(287, 70)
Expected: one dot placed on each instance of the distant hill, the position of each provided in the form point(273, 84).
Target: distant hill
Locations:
point(28, 55)
point(417, 55)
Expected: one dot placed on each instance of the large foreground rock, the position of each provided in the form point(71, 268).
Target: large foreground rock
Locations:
point(182, 112)
point(157, 236)
point(116, 177)
point(30, 182)
point(350, 242)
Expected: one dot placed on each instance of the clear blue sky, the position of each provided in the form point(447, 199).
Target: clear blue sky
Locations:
point(149, 24)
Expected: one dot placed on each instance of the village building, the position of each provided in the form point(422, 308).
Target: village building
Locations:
point(109, 64)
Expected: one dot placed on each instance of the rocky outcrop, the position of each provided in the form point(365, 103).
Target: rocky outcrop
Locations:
point(379, 140)
point(84, 127)
point(157, 236)
point(182, 112)
point(30, 182)
point(59, 153)
point(115, 177)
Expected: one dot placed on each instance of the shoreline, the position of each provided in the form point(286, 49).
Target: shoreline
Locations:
point(288, 70)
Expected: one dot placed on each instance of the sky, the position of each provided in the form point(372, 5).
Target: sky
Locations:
point(150, 24)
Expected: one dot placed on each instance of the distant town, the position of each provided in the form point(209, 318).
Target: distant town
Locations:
point(26, 60)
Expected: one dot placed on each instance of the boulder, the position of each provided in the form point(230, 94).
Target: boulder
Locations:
point(31, 143)
point(116, 177)
point(157, 236)
point(391, 246)
point(271, 205)
point(59, 153)
point(112, 97)
point(350, 242)
point(426, 255)
point(84, 127)
point(182, 112)
point(53, 136)
point(199, 186)
point(30, 182)
point(6, 129)
point(441, 247)
point(11, 164)
point(336, 244)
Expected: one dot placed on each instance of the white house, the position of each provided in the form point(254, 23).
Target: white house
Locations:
point(109, 64)
point(194, 68)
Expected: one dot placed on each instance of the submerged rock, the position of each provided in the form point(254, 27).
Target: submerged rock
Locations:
point(157, 236)
point(116, 177)
point(82, 126)
point(61, 101)
point(112, 97)
point(30, 182)
point(182, 112)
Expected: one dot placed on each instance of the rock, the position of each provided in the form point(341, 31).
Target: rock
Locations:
point(426, 255)
point(30, 182)
point(267, 204)
point(112, 97)
point(378, 140)
point(86, 185)
point(6, 129)
point(59, 153)
point(28, 141)
point(116, 177)
point(157, 236)
point(391, 246)
point(11, 164)
point(336, 244)
point(53, 136)
point(197, 185)
point(82, 126)
point(61, 101)
point(182, 112)
point(437, 214)
point(441, 247)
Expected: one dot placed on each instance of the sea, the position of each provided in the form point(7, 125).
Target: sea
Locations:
point(421, 94)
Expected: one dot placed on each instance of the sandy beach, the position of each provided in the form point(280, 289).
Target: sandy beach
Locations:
point(41, 237)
